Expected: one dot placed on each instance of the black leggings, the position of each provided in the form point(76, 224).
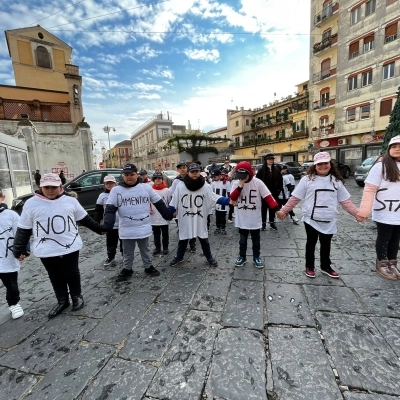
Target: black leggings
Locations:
point(325, 247)
point(64, 274)
point(10, 281)
point(387, 241)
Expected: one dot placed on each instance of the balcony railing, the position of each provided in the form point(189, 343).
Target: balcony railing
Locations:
point(326, 13)
point(325, 43)
point(296, 107)
point(324, 74)
point(390, 38)
point(325, 103)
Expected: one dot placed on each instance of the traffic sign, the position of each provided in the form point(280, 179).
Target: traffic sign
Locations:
point(101, 165)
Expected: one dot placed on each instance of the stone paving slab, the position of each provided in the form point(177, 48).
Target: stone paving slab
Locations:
point(300, 365)
point(299, 277)
point(183, 286)
point(287, 305)
point(120, 379)
point(153, 334)
point(181, 375)
point(276, 252)
point(157, 284)
point(5, 314)
point(68, 379)
point(245, 305)
point(381, 302)
point(50, 343)
point(284, 263)
point(120, 321)
point(249, 272)
point(98, 302)
point(369, 281)
point(352, 341)
point(211, 295)
point(15, 331)
point(353, 267)
point(238, 366)
point(333, 298)
point(366, 396)
point(14, 384)
point(389, 329)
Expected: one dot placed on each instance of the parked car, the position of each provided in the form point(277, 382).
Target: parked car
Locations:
point(344, 169)
point(294, 168)
point(87, 185)
point(171, 174)
point(362, 171)
point(150, 173)
point(256, 168)
point(219, 165)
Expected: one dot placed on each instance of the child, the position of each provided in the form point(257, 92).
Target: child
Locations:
point(145, 177)
point(288, 187)
point(193, 199)
point(158, 223)
point(52, 216)
point(382, 194)
point(112, 235)
point(131, 200)
point(321, 189)
point(221, 187)
point(9, 266)
point(248, 191)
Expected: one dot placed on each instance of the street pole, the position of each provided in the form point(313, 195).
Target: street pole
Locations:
point(107, 130)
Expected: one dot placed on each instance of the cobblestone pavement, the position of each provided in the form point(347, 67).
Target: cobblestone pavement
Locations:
point(201, 333)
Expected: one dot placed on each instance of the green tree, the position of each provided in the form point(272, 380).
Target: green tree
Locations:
point(393, 129)
point(194, 144)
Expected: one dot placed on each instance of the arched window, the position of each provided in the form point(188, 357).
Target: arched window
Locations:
point(43, 58)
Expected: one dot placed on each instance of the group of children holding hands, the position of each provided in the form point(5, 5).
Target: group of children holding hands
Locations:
point(132, 211)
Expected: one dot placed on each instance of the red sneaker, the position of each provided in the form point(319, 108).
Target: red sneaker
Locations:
point(310, 273)
point(330, 272)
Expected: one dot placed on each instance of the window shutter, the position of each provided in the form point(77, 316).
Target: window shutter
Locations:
point(294, 126)
point(326, 65)
point(303, 125)
point(391, 30)
point(369, 39)
point(386, 107)
point(354, 47)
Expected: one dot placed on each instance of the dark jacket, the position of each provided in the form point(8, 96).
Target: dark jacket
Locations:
point(272, 178)
point(62, 177)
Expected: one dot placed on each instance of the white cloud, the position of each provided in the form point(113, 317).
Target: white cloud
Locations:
point(148, 96)
point(146, 52)
point(205, 55)
point(159, 71)
point(146, 88)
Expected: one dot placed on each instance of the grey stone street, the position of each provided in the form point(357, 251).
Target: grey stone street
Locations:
point(200, 333)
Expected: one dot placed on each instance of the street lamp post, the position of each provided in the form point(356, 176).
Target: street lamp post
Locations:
point(107, 130)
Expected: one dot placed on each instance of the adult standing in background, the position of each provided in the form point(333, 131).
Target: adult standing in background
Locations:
point(271, 175)
point(62, 177)
point(37, 177)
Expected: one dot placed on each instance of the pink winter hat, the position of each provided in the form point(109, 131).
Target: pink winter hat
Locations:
point(321, 157)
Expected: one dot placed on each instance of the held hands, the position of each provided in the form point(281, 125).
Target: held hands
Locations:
point(233, 203)
point(281, 215)
point(361, 218)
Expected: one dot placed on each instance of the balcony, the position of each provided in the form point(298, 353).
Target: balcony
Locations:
point(324, 103)
point(326, 43)
point(296, 107)
point(325, 74)
point(390, 38)
point(326, 14)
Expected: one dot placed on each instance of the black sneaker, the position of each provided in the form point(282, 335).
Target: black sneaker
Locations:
point(124, 274)
point(156, 252)
point(109, 261)
point(223, 232)
point(165, 252)
point(175, 262)
point(151, 271)
point(264, 227)
point(213, 262)
point(273, 227)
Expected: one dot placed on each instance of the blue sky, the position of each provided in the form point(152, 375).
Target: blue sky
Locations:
point(192, 58)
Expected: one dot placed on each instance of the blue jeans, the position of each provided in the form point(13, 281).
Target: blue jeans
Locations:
point(255, 238)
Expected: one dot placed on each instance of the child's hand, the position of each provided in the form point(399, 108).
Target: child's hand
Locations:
point(281, 215)
point(242, 182)
point(233, 203)
point(359, 218)
point(22, 257)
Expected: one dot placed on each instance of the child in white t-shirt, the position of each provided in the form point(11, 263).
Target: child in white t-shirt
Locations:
point(381, 195)
point(322, 189)
point(112, 236)
point(52, 216)
point(288, 187)
point(9, 266)
point(249, 192)
point(222, 187)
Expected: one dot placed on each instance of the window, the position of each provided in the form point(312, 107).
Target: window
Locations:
point(354, 49)
point(370, 7)
point(237, 123)
point(327, 34)
point(365, 111)
point(369, 43)
point(366, 78)
point(5, 175)
point(386, 107)
point(352, 83)
point(325, 99)
point(247, 122)
point(42, 57)
point(388, 71)
point(323, 122)
point(351, 115)
point(325, 68)
point(355, 16)
point(391, 32)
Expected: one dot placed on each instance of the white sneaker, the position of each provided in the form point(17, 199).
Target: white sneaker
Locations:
point(295, 220)
point(16, 311)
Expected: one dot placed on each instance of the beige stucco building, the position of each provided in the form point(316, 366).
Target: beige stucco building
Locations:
point(280, 127)
point(355, 72)
point(45, 108)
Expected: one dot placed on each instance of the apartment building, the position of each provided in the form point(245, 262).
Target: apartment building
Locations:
point(119, 155)
point(281, 127)
point(355, 72)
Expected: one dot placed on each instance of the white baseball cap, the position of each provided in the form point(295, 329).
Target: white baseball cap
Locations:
point(394, 140)
point(50, 180)
point(110, 178)
point(321, 157)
